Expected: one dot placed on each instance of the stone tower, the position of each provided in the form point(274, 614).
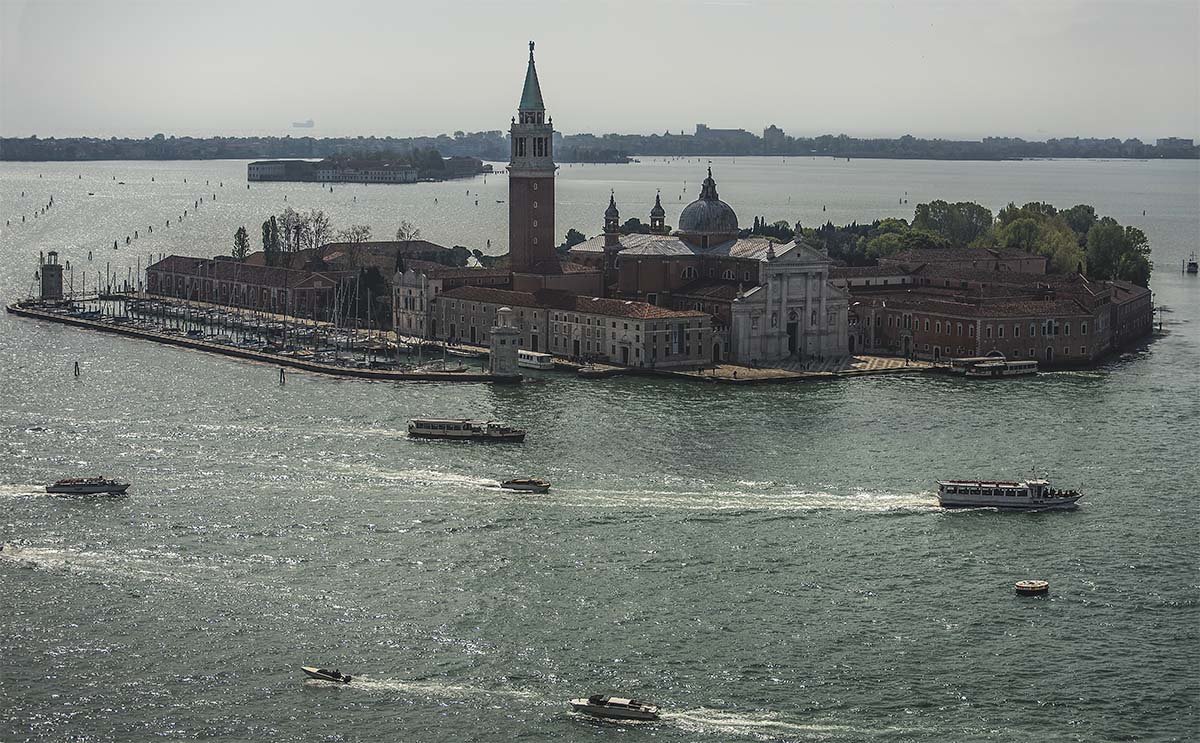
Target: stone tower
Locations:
point(531, 183)
point(52, 277)
point(505, 341)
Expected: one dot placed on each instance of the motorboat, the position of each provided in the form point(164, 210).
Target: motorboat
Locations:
point(324, 674)
point(527, 485)
point(463, 429)
point(88, 486)
point(1029, 495)
point(615, 708)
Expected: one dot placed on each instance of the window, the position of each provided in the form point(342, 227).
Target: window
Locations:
point(1083, 350)
point(689, 272)
point(535, 205)
point(971, 330)
point(729, 275)
point(958, 329)
point(987, 332)
point(938, 326)
point(927, 325)
point(1067, 329)
point(814, 318)
point(1032, 330)
point(999, 331)
point(534, 185)
point(1016, 331)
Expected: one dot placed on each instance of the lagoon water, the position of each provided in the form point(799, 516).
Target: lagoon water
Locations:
point(767, 564)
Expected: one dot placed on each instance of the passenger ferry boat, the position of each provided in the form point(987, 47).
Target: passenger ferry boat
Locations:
point(617, 708)
point(534, 360)
point(88, 486)
point(1001, 368)
point(463, 429)
point(1029, 494)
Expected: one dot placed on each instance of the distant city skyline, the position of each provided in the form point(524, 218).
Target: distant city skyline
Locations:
point(931, 69)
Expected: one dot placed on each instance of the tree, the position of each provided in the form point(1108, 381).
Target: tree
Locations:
point(320, 228)
point(634, 226)
point(1116, 252)
point(574, 237)
point(1080, 218)
point(355, 233)
point(407, 231)
point(241, 244)
point(959, 223)
point(271, 244)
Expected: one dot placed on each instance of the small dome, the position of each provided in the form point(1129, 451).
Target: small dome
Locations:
point(708, 215)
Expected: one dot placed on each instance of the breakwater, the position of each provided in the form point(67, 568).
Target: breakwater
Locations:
point(39, 312)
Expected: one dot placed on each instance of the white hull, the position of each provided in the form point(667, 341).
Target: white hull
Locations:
point(613, 714)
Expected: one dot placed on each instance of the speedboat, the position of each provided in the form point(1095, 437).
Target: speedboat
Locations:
point(323, 674)
point(88, 486)
point(527, 485)
point(615, 708)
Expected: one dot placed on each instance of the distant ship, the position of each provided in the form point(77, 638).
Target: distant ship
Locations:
point(302, 124)
point(1192, 265)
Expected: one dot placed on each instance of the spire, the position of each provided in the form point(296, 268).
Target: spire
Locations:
point(611, 212)
point(708, 190)
point(531, 96)
point(657, 210)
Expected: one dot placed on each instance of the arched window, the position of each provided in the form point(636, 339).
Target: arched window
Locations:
point(729, 275)
point(814, 318)
point(689, 272)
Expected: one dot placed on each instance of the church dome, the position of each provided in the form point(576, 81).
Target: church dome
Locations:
point(708, 215)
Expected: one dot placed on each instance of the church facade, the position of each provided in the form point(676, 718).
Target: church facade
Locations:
point(756, 290)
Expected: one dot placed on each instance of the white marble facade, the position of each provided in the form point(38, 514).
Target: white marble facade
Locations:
point(795, 314)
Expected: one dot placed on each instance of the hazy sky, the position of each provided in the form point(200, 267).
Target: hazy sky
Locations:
point(957, 69)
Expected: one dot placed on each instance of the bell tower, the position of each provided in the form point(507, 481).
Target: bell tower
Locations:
point(531, 183)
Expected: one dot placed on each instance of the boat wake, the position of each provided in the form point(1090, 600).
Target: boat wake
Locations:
point(743, 500)
point(21, 491)
point(435, 690)
point(764, 725)
point(95, 563)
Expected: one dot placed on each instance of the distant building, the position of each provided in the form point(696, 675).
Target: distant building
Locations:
point(755, 289)
point(280, 170)
point(365, 171)
point(1174, 143)
point(230, 282)
point(937, 312)
point(992, 259)
point(586, 328)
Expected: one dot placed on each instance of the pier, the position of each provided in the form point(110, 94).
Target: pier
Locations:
point(66, 315)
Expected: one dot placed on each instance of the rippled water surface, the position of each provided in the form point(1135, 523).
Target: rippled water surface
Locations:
point(767, 564)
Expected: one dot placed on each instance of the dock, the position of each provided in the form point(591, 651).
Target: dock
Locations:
point(40, 311)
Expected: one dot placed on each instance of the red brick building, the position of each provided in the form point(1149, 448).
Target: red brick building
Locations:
point(226, 281)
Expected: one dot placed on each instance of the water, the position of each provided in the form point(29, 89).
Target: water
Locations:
point(767, 564)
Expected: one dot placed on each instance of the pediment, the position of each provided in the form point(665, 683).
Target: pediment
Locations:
point(800, 254)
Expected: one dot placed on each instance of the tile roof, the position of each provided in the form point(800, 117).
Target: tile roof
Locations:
point(709, 289)
point(1018, 307)
point(549, 299)
point(958, 255)
point(754, 248)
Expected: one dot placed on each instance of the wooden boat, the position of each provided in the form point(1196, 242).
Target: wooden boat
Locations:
point(527, 485)
point(323, 674)
point(615, 708)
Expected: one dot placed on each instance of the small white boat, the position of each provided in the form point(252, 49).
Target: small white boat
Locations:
point(527, 485)
point(1030, 495)
point(534, 360)
point(324, 674)
point(615, 708)
point(88, 486)
point(1001, 368)
point(463, 429)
